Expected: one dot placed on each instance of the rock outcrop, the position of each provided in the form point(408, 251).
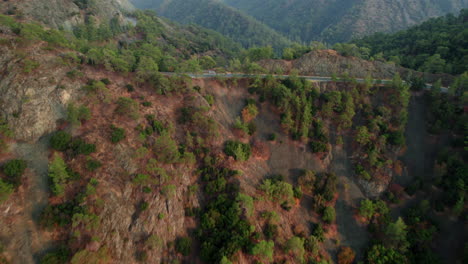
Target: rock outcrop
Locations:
point(64, 13)
point(33, 99)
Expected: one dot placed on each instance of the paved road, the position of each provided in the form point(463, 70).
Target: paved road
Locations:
point(310, 78)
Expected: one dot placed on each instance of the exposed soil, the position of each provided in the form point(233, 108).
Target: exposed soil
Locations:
point(27, 241)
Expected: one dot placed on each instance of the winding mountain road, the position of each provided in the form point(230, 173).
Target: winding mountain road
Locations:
point(309, 78)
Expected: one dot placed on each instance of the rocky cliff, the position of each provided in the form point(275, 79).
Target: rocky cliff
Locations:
point(64, 13)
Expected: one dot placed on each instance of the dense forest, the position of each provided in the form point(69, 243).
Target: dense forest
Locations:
point(340, 20)
point(214, 15)
point(436, 46)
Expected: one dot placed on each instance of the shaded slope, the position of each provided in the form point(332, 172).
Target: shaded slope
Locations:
point(219, 17)
point(340, 20)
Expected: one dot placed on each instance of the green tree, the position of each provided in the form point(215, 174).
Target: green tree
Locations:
point(434, 64)
point(363, 136)
point(60, 140)
point(166, 149)
point(14, 170)
point(329, 214)
point(183, 245)
point(295, 246)
point(367, 209)
point(5, 190)
point(146, 70)
point(58, 175)
point(396, 235)
point(380, 254)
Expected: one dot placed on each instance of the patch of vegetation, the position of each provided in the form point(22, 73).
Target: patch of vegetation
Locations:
point(60, 140)
point(117, 134)
point(14, 170)
point(128, 107)
point(58, 175)
point(76, 115)
point(240, 151)
point(183, 245)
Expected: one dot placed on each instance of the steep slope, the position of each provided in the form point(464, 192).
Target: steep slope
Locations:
point(341, 20)
point(219, 17)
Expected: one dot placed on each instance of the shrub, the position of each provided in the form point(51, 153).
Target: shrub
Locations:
point(272, 137)
point(117, 134)
point(5, 190)
point(76, 115)
point(346, 256)
point(166, 149)
point(130, 88)
point(59, 255)
point(183, 245)
point(318, 147)
point(79, 146)
point(143, 206)
point(329, 214)
point(264, 249)
point(295, 245)
point(92, 164)
point(146, 104)
point(13, 170)
point(240, 151)
point(60, 140)
point(106, 81)
point(127, 106)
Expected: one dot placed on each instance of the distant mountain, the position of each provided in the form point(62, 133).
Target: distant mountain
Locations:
point(341, 20)
point(215, 15)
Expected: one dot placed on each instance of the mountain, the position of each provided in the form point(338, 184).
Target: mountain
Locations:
point(65, 13)
point(341, 20)
point(215, 15)
point(437, 45)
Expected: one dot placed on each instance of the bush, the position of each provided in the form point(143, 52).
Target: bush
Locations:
point(318, 147)
point(183, 245)
point(13, 170)
point(166, 149)
point(329, 214)
point(60, 140)
point(264, 249)
point(127, 106)
point(58, 175)
point(346, 256)
point(76, 115)
point(117, 134)
point(79, 146)
point(106, 81)
point(240, 151)
point(57, 256)
point(5, 190)
point(130, 88)
point(92, 164)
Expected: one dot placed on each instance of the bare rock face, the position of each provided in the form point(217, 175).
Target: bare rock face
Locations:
point(64, 13)
point(32, 97)
point(124, 227)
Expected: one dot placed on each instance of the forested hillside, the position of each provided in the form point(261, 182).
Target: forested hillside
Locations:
point(340, 20)
point(436, 46)
point(219, 17)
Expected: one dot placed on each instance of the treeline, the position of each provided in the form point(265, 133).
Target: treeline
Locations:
point(436, 46)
